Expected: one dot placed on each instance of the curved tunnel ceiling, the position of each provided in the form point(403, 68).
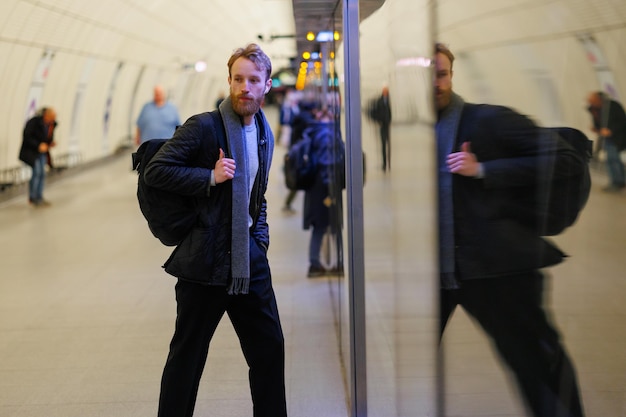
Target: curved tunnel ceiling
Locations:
point(162, 33)
point(487, 24)
point(168, 33)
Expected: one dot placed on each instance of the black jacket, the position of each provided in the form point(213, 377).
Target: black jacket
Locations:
point(35, 132)
point(489, 241)
point(613, 117)
point(184, 165)
point(323, 201)
point(380, 110)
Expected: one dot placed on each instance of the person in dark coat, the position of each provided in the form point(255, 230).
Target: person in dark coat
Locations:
point(38, 138)
point(323, 201)
point(609, 122)
point(380, 112)
point(489, 263)
point(222, 265)
point(303, 119)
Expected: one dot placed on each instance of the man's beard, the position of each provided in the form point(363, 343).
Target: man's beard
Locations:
point(442, 100)
point(246, 107)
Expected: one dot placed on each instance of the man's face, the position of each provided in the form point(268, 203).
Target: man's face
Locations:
point(594, 102)
point(247, 87)
point(443, 81)
point(49, 116)
point(159, 95)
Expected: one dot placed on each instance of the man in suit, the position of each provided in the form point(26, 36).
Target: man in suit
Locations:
point(489, 263)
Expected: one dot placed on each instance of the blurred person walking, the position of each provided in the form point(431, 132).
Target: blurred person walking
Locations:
point(158, 118)
point(489, 263)
point(323, 201)
point(38, 138)
point(289, 109)
point(609, 122)
point(380, 112)
point(302, 119)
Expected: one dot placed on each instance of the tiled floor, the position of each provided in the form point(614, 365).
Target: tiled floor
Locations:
point(86, 312)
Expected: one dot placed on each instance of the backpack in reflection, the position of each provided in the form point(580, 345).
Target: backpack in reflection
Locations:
point(299, 165)
point(557, 202)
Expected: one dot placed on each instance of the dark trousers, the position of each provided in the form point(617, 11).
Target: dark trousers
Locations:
point(290, 197)
point(386, 146)
point(510, 310)
point(255, 319)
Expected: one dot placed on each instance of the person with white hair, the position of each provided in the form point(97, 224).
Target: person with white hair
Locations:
point(158, 118)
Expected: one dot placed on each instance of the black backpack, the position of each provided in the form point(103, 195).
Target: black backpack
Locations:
point(170, 216)
point(557, 202)
point(299, 165)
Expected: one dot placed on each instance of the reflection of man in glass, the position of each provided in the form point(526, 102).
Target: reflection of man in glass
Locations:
point(489, 263)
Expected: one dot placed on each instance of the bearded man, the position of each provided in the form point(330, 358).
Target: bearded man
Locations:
point(490, 263)
point(222, 266)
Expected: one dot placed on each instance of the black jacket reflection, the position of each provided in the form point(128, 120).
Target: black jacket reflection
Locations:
point(490, 241)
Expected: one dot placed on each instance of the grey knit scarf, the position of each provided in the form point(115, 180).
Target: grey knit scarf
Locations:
point(240, 241)
point(446, 130)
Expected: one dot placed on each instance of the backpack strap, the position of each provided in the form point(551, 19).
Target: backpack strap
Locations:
point(217, 135)
point(219, 131)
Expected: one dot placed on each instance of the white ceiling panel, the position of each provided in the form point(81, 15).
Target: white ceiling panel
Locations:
point(481, 24)
point(169, 30)
point(166, 31)
point(15, 22)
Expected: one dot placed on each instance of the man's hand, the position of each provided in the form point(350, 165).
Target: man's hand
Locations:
point(43, 147)
point(224, 168)
point(464, 162)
